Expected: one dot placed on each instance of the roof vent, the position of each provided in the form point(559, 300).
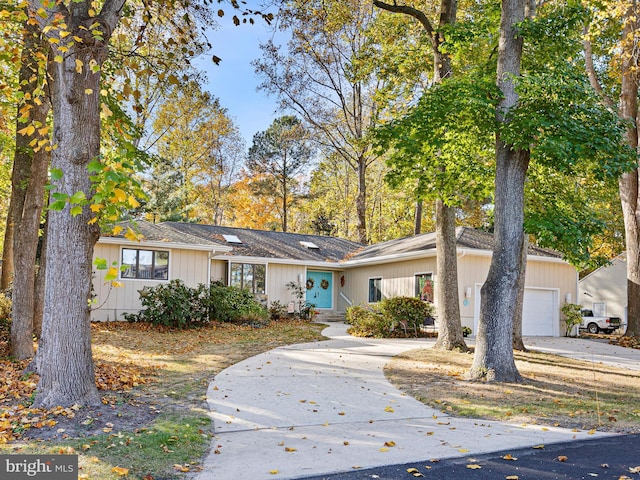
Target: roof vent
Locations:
point(232, 238)
point(309, 245)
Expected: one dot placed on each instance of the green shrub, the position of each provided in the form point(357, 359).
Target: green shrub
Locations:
point(368, 322)
point(179, 306)
point(572, 314)
point(173, 305)
point(411, 309)
point(227, 304)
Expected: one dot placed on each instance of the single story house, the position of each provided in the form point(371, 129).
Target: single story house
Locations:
point(604, 291)
point(337, 273)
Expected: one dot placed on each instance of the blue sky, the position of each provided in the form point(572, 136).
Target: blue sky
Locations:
point(234, 81)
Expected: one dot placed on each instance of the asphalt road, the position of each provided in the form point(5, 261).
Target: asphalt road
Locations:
point(611, 458)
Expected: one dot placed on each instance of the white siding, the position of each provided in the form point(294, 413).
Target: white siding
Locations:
point(110, 303)
point(609, 285)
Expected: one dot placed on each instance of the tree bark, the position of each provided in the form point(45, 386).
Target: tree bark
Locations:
point(65, 362)
point(450, 335)
point(518, 343)
point(493, 359)
point(6, 269)
point(30, 168)
point(629, 183)
point(361, 202)
point(417, 219)
point(449, 325)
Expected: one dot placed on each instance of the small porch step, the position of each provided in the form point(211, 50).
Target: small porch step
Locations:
point(330, 317)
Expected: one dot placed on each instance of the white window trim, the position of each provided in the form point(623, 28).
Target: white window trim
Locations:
point(266, 272)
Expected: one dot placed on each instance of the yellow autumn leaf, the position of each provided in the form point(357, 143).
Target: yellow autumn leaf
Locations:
point(474, 466)
point(512, 477)
point(463, 450)
point(412, 470)
point(57, 59)
point(389, 409)
point(384, 449)
point(180, 468)
point(88, 91)
point(562, 458)
point(116, 230)
point(28, 130)
point(120, 470)
point(120, 194)
point(390, 444)
point(133, 203)
point(509, 457)
point(79, 65)
point(290, 449)
point(131, 235)
point(112, 272)
point(274, 472)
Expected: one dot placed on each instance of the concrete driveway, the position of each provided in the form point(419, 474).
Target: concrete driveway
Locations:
point(326, 407)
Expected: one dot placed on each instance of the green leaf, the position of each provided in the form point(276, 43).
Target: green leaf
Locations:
point(56, 174)
point(57, 205)
point(78, 197)
point(95, 166)
point(77, 210)
point(100, 263)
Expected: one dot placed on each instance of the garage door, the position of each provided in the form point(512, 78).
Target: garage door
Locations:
point(539, 314)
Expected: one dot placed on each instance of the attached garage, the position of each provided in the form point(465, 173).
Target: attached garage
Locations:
point(540, 312)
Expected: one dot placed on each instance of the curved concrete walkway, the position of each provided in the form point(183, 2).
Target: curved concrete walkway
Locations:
point(326, 407)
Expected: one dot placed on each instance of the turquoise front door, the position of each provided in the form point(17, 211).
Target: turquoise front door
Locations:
point(320, 289)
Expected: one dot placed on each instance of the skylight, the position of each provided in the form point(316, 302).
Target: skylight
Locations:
point(309, 245)
point(232, 238)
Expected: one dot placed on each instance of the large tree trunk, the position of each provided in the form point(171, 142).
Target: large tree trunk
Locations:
point(6, 269)
point(447, 299)
point(493, 359)
point(518, 343)
point(65, 362)
point(629, 182)
point(361, 202)
point(30, 168)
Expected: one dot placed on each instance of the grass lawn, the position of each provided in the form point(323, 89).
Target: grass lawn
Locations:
point(152, 423)
point(556, 391)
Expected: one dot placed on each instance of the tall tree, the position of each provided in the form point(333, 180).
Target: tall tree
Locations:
point(83, 34)
point(30, 168)
point(620, 61)
point(450, 327)
point(277, 158)
point(192, 133)
point(322, 80)
point(493, 357)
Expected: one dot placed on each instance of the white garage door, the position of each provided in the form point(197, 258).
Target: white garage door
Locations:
point(539, 314)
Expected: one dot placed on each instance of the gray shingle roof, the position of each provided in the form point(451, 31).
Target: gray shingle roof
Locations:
point(465, 238)
point(287, 246)
point(159, 232)
point(269, 244)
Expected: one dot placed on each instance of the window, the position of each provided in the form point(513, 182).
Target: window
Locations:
point(146, 264)
point(249, 277)
point(375, 289)
point(424, 287)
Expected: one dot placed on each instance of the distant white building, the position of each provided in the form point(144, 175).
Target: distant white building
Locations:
point(605, 290)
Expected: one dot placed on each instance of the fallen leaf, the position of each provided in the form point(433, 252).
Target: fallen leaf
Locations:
point(538, 447)
point(512, 477)
point(562, 458)
point(289, 449)
point(274, 472)
point(634, 469)
point(474, 466)
point(390, 444)
point(412, 470)
point(463, 450)
point(384, 449)
point(389, 409)
point(181, 468)
point(509, 457)
point(120, 470)
point(345, 443)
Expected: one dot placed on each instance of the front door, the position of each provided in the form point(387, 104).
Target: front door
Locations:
point(320, 289)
